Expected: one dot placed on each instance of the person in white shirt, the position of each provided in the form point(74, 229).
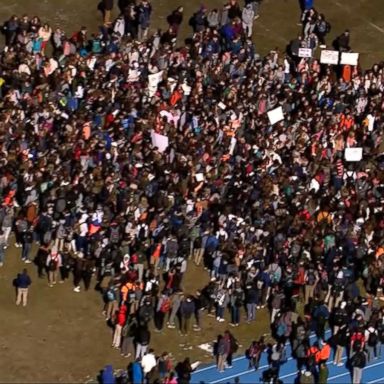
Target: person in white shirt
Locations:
point(148, 362)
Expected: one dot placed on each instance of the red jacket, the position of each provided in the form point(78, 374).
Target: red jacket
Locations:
point(122, 316)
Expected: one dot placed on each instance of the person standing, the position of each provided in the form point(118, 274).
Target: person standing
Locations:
point(358, 362)
point(143, 338)
point(187, 309)
point(148, 362)
point(3, 247)
point(128, 333)
point(26, 244)
point(121, 320)
point(53, 265)
point(107, 10)
point(223, 348)
point(144, 11)
point(247, 17)
point(22, 283)
point(323, 373)
point(7, 223)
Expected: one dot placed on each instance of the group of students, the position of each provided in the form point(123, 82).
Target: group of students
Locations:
point(274, 212)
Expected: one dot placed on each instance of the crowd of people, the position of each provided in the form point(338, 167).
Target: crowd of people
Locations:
point(274, 213)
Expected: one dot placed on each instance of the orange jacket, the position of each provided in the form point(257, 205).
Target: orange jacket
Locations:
point(325, 352)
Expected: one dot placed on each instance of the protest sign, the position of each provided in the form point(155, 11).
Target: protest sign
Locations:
point(153, 81)
point(159, 141)
point(199, 177)
point(353, 154)
point(275, 115)
point(305, 52)
point(329, 57)
point(349, 58)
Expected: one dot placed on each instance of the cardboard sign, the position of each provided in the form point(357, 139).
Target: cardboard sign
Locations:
point(159, 141)
point(199, 177)
point(353, 154)
point(349, 58)
point(305, 52)
point(153, 81)
point(329, 57)
point(275, 115)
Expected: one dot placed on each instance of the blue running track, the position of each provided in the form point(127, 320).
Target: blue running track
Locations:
point(373, 372)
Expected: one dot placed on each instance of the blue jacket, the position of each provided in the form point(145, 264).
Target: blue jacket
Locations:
point(23, 280)
point(107, 377)
point(137, 373)
point(308, 4)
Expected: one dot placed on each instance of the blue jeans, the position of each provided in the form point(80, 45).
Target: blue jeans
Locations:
point(235, 314)
point(220, 311)
point(25, 251)
point(251, 311)
point(2, 253)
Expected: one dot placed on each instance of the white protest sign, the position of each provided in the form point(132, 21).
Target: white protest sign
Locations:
point(275, 115)
point(349, 58)
point(153, 81)
point(199, 177)
point(305, 52)
point(353, 154)
point(159, 141)
point(329, 57)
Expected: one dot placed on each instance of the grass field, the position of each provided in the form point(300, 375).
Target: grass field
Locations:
point(61, 336)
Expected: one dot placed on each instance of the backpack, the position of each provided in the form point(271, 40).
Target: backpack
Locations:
point(238, 300)
point(358, 360)
point(141, 234)
point(165, 305)
point(322, 27)
point(311, 278)
point(373, 339)
point(52, 264)
point(110, 295)
point(281, 329)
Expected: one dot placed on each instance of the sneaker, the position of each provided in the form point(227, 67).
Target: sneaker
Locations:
point(197, 329)
point(50, 285)
point(322, 46)
point(258, 307)
point(172, 326)
point(27, 261)
point(221, 320)
point(232, 324)
point(237, 324)
point(76, 289)
point(1, 263)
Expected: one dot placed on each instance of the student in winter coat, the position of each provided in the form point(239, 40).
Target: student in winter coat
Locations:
point(128, 333)
point(247, 17)
point(223, 349)
point(187, 309)
point(358, 362)
point(143, 338)
point(107, 376)
point(120, 322)
point(137, 372)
